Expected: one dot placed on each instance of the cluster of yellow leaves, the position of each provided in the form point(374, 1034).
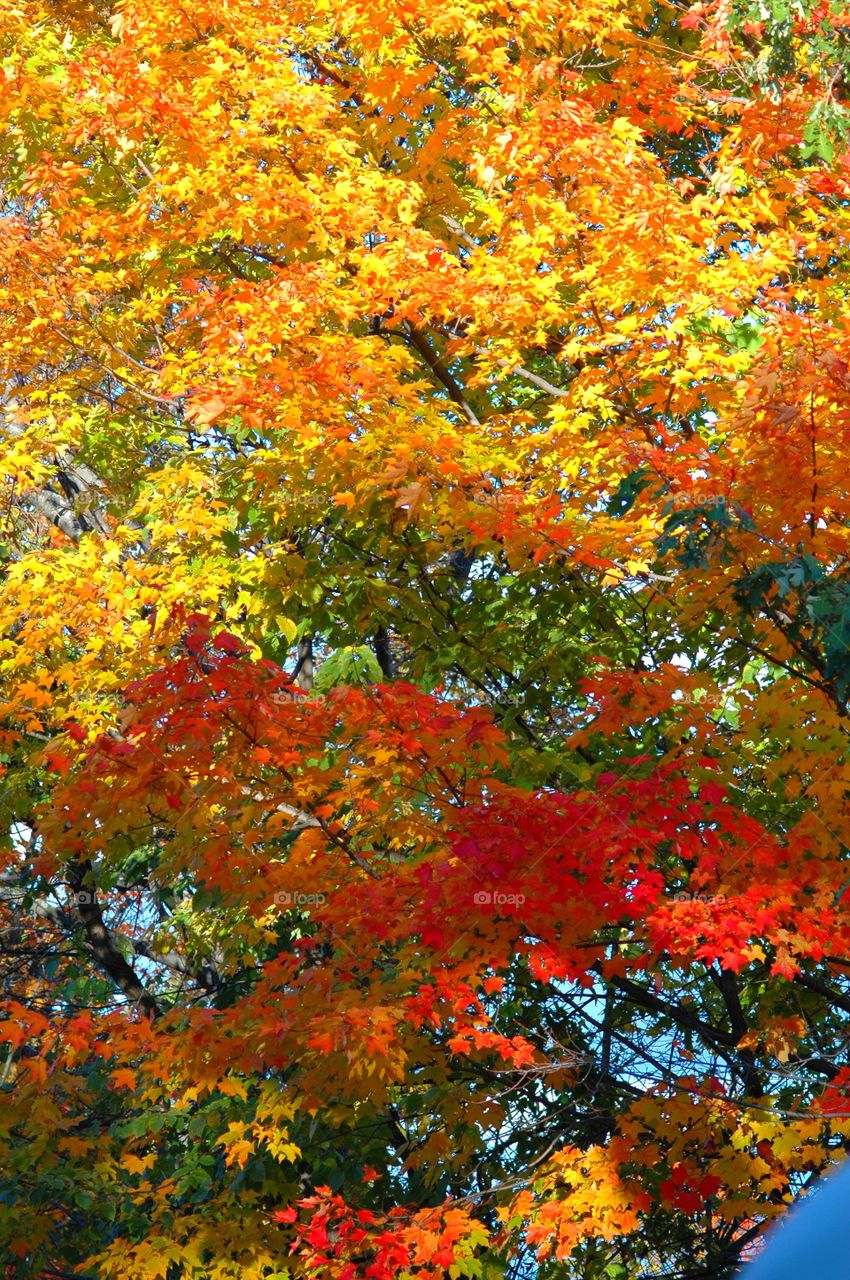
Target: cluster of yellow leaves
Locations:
point(582, 1196)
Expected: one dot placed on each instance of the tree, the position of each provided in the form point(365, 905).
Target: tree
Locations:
point(425, 613)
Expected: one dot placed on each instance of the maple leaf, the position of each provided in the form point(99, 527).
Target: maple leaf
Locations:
point(285, 1216)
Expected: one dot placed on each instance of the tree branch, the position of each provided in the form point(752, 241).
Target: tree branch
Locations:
point(102, 944)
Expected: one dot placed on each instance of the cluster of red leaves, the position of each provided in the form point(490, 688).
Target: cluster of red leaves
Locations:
point(482, 861)
point(336, 1241)
point(688, 1189)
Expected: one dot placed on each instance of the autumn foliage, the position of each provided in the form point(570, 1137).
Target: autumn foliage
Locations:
point(424, 635)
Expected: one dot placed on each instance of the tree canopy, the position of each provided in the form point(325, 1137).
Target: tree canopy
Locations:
point(424, 635)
